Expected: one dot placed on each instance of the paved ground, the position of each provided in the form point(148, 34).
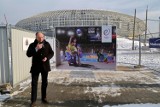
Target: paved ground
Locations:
point(89, 88)
point(88, 66)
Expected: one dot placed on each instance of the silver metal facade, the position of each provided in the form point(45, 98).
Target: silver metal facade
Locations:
point(62, 18)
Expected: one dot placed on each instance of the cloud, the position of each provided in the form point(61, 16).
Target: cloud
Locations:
point(154, 14)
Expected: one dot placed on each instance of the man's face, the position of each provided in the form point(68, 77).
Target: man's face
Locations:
point(40, 37)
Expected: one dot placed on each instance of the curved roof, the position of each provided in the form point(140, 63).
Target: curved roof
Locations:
point(59, 18)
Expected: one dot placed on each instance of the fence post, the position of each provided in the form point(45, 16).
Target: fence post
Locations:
point(4, 56)
point(140, 50)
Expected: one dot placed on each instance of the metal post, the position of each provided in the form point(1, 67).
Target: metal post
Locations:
point(139, 50)
point(134, 29)
point(159, 26)
point(146, 26)
point(54, 44)
point(10, 53)
point(4, 56)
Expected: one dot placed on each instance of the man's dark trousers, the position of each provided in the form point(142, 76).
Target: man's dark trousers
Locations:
point(34, 84)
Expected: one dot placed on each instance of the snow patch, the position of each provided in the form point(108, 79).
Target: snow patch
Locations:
point(23, 86)
point(135, 105)
point(104, 90)
point(4, 97)
point(125, 54)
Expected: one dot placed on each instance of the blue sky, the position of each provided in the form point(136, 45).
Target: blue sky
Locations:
point(15, 10)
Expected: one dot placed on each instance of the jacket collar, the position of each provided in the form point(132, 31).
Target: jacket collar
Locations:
point(36, 42)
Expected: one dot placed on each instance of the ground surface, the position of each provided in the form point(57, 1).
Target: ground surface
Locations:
point(89, 88)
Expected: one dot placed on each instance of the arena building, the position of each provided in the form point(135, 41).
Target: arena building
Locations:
point(47, 21)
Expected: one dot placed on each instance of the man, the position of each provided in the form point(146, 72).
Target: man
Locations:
point(41, 52)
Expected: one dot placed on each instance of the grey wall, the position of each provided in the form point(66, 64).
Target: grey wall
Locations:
point(4, 56)
point(20, 62)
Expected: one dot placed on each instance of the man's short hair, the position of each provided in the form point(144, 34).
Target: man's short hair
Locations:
point(38, 33)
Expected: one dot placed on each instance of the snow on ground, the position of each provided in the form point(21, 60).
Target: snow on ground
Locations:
point(125, 55)
point(143, 77)
point(23, 86)
point(108, 77)
point(4, 97)
point(102, 91)
point(135, 105)
point(123, 43)
point(108, 90)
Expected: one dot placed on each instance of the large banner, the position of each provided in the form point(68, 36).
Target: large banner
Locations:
point(85, 48)
point(154, 43)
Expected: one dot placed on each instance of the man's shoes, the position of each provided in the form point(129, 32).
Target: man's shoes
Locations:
point(33, 104)
point(45, 101)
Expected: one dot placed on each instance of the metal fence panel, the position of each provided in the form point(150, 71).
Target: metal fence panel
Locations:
point(149, 57)
point(20, 62)
point(4, 57)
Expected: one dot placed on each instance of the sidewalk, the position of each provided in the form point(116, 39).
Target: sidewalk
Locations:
point(95, 88)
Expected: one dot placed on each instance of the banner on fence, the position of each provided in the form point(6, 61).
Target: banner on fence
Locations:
point(154, 43)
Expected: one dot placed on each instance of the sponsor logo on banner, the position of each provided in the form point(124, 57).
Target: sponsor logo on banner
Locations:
point(154, 43)
point(106, 34)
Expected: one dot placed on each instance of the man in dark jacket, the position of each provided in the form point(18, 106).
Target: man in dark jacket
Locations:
point(41, 52)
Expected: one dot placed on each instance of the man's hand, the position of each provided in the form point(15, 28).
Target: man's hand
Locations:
point(39, 46)
point(44, 59)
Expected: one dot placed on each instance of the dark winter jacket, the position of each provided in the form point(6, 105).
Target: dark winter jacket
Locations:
point(37, 56)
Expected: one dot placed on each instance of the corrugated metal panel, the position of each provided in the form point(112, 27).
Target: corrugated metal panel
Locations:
point(20, 62)
point(4, 56)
